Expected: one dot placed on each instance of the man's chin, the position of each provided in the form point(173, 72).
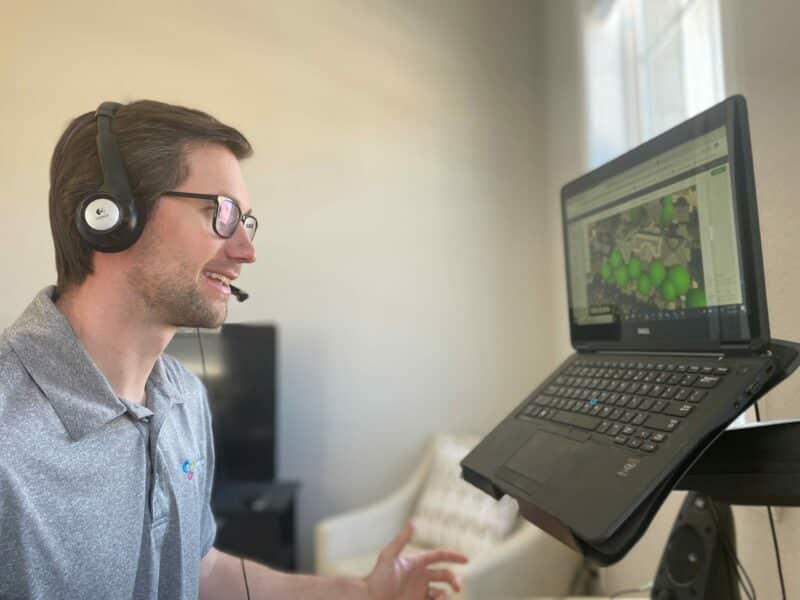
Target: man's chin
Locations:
point(210, 317)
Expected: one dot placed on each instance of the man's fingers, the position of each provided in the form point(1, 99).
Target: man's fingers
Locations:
point(396, 546)
point(444, 576)
point(436, 556)
point(437, 594)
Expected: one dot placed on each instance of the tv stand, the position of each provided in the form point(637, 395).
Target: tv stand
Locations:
point(256, 520)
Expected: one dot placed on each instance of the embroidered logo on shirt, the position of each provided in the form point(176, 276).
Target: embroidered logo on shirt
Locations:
point(188, 468)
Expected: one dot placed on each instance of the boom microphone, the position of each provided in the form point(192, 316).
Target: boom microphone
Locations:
point(240, 294)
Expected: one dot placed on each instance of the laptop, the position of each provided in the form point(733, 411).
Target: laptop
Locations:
point(668, 320)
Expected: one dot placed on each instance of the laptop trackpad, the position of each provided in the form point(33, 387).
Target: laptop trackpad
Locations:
point(536, 459)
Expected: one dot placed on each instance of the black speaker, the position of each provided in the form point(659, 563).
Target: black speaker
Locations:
point(699, 558)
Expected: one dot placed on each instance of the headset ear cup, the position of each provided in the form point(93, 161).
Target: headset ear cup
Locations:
point(101, 220)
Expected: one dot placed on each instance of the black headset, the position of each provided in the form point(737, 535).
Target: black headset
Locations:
point(110, 219)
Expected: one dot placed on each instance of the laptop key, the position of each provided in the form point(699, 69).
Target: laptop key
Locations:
point(634, 443)
point(576, 420)
point(697, 395)
point(662, 423)
point(614, 429)
point(658, 437)
point(658, 406)
point(620, 439)
point(648, 447)
point(683, 393)
point(707, 381)
point(669, 391)
point(676, 409)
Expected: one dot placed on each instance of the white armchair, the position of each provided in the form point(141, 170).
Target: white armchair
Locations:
point(527, 562)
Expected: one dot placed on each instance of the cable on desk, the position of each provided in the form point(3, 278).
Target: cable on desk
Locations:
point(244, 575)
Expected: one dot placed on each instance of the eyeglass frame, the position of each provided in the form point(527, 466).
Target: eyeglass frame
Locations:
point(219, 198)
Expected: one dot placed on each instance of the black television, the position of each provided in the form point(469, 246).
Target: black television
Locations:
point(237, 365)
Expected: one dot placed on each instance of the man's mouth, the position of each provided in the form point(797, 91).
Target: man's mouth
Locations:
point(219, 282)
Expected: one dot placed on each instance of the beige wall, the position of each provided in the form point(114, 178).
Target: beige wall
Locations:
point(398, 178)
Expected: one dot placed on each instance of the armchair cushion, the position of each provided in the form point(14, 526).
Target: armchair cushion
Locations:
point(451, 513)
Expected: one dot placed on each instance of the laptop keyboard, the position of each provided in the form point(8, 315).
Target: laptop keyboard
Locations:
point(633, 404)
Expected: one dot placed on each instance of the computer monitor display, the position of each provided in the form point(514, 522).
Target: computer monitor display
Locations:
point(658, 242)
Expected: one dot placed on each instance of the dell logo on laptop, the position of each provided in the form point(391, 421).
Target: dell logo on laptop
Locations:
point(643, 330)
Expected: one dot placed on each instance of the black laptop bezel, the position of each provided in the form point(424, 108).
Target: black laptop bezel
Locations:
point(732, 113)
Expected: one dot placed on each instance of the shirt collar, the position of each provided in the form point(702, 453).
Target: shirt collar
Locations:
point(58, 363)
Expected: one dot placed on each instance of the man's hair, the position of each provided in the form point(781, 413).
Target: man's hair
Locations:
point(154, 139)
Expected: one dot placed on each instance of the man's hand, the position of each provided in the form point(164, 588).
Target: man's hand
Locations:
point(400, 578)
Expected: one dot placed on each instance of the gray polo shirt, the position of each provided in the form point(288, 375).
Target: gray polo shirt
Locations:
point(99, 498)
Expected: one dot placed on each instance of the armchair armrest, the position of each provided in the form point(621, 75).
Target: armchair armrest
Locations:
point(367, 529)
point(528, 559)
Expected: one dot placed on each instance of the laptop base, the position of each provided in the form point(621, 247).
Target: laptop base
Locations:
point(615, 546)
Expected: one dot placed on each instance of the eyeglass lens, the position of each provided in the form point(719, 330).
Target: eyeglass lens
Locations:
point(228, 218)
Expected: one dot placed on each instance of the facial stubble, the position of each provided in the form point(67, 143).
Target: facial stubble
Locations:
point(175, 298)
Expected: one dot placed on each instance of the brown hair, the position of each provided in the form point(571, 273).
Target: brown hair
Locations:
point(154, 139)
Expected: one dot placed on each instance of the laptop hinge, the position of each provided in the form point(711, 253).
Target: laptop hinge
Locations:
point(661, 353)
point(739, 348)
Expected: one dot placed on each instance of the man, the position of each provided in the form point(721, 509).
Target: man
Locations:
point(97, 427)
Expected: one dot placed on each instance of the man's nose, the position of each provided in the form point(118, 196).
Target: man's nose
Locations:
point(239, 247)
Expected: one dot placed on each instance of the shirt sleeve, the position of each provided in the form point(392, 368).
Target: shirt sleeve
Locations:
point(208, 524)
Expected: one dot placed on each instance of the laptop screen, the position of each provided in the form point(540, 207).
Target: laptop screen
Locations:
point(661, 244)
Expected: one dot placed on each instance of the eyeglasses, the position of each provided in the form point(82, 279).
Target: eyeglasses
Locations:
point(227, 214)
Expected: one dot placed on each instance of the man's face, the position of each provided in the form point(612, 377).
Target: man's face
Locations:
point(178, 260)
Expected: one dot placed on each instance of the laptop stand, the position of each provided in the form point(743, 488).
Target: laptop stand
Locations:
point(756, 465)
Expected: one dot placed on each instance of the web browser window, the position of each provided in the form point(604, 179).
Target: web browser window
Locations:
point(656, 239)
